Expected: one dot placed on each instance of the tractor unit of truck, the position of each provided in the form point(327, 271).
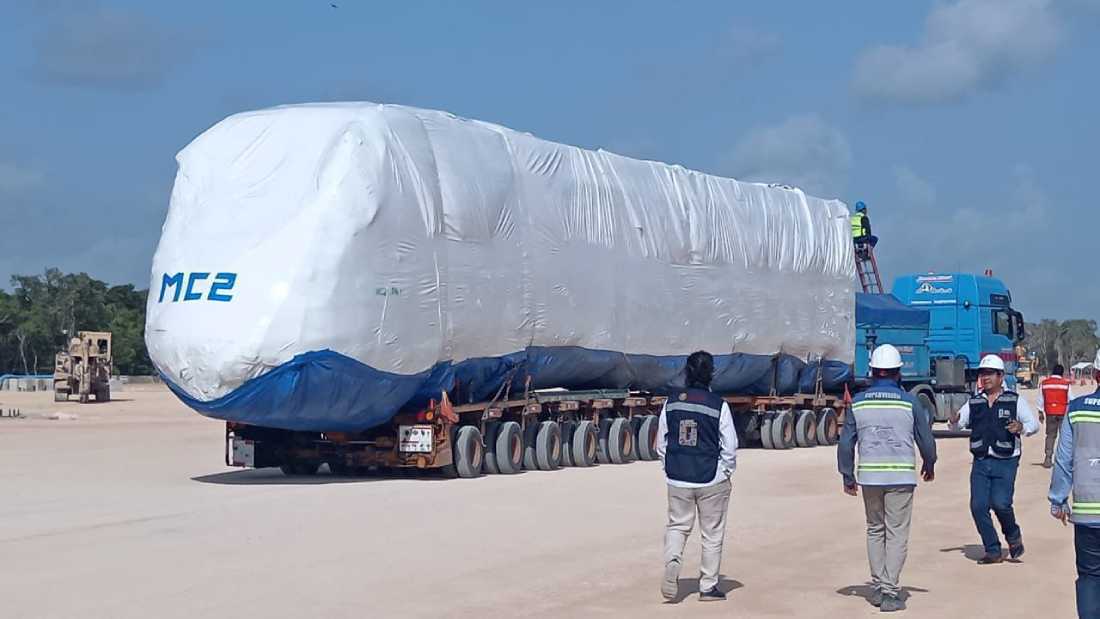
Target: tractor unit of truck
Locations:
point(943, 324)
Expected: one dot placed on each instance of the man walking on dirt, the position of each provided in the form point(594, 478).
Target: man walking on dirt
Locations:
point(884, 425)
point(697, 444)
point(1076, 472)
point(996, 418)
point(1053, 401)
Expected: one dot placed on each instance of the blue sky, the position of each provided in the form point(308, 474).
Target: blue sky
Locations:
point(968, 126)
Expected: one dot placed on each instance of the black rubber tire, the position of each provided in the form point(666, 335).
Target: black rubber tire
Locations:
point(585, 444)
point(828, 428)
point(337, 468)
point(620, 441)
point(530, 436)
point(468, 452)
point(766, 431)
point(647, 438)
point(548, 446)
point(299, 468)
point(509, 448)
point(603, 455)
point(805, 429)
point(783, 430)
point(567, 428)
point(489, 458)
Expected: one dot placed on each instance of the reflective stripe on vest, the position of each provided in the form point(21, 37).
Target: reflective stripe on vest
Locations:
point(1055, 395)
point(1085, 506)
point(884, 427)
point(857, 225)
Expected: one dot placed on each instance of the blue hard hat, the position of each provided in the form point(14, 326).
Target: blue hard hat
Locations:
point(860, 206)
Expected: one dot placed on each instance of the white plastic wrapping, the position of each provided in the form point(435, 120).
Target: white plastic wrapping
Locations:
point(403, 237)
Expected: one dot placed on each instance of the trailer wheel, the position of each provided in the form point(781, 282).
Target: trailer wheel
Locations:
point(805, 429)
point(766, 431)
point(828, 429)
point(468, 452)
point(783, 430)
point(585, 444)
point(567, 429)
point(530, 444)
point(620, 441)
point(548, 446)
point(647, 438)
point(603, 454)
point(489, 459)
point(509, 448)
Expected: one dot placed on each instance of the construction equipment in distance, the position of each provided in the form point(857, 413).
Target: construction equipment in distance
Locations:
point(1027, 368)
point(84, 368)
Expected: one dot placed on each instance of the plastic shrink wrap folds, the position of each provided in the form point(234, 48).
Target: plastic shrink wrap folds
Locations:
point(323, 266)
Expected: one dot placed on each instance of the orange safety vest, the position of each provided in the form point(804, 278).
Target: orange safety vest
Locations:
point(1055, 395)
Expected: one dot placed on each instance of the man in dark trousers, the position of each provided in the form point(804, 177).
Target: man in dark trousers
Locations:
point(996, 418)
point(1077, 472)
point(885, 423)
point(697, 444)
point(1053, 401)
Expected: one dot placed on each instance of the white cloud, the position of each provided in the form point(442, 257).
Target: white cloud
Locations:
point(743, 44)
point(967, 46)
point(803, 151)
point(14, 177)
point(107, 48)
point(912, 189)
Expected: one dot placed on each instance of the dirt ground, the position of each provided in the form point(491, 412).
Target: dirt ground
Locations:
point(127, 510)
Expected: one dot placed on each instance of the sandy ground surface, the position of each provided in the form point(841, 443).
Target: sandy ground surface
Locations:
point(127, 511)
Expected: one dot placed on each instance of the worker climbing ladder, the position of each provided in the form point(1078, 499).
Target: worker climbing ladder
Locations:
point(867, 268)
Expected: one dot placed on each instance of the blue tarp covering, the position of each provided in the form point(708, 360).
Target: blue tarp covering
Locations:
point(327, 391)
point(885, 311)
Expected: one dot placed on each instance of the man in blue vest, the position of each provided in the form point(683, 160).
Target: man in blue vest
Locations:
point(1077, 470)
point(697, 444)
point(885, 423)
point(996, 418)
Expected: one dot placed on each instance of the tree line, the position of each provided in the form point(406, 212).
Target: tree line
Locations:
point(42, 312)
point(1066, 342)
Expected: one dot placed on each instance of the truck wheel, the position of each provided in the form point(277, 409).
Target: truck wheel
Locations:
point(828, 430)
point(489, 455)
point(603, 455)
point(567, 428)
point(620, 441)
point(766, 432)
point(509, 448)
point(647, 438)
point(805, 429)
point(468, 452)
point(530, 438)
point(783, 430)
point(585, 444)
point(548, 446)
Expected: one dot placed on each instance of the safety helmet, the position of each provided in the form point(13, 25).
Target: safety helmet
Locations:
point(885, 357)
point(860, 206)
point(992, 362)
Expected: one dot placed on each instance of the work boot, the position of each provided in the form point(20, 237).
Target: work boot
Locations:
point(714, 595)
point(1016, 549)
point(876, 597)
point(670, 586)
point(891, 603)
point(991, 559)
point(1047, 463)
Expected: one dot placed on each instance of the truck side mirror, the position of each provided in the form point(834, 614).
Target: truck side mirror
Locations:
point(1021, 334)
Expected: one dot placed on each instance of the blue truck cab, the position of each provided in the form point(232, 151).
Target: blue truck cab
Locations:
point(943, 324)
point(970, 316)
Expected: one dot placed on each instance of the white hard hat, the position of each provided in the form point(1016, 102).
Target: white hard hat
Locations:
point(886, 357)
point(992, 362)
